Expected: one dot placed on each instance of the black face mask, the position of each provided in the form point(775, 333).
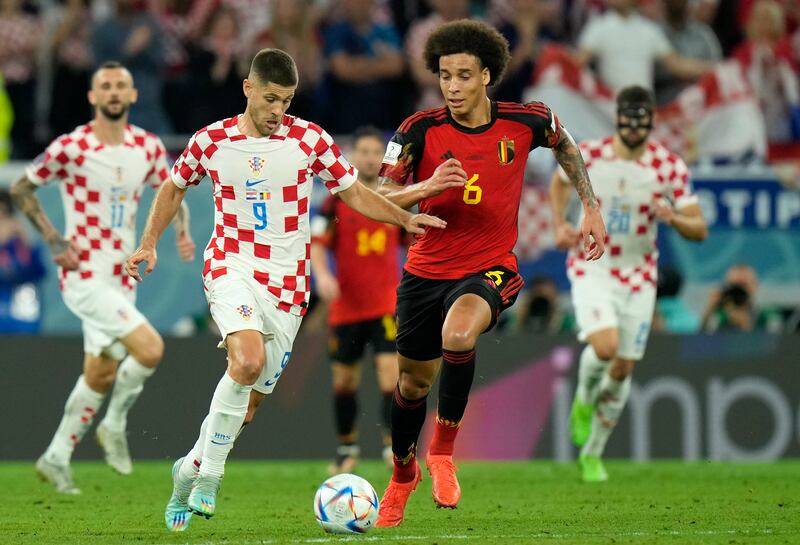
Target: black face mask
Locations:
point(638, 116)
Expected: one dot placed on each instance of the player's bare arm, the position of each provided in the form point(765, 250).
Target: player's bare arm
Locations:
point(569, 157)
point(566, 235)
point(377, 207)
point(64, 252)
point(448, 175)
point(327, 285)
point(183, 237)
point(165, 206)
point(688, 221)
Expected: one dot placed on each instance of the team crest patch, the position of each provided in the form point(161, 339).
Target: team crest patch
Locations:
point(246, 311)
point(505, 151)
point(255, 164)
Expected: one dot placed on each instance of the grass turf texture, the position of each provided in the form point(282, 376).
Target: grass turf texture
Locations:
point(537, 502)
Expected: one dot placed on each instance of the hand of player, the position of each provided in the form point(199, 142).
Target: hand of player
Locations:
point(448, 174)
point(566, 236)
point(185, 246)
point(664, 211)
point(593, 231)
point(65, 253)
point(148, 255)
point(416, 223)
point(327, 287)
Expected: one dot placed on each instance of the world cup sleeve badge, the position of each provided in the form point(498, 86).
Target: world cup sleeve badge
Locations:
point(505, 151)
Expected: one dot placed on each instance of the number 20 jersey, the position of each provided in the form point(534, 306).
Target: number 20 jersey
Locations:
point(481, 218)
point(261, 189)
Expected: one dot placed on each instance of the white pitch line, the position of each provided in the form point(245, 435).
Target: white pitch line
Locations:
point(467, 537)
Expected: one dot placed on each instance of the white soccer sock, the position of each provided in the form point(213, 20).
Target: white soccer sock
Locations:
point(79, 411)
point(129, 383)
point(611, 401)
point(228, 409)
point(590, 372)
point(190, 466)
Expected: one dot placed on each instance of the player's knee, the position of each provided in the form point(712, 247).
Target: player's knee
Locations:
point(458, 340)
point(621, 369)
point(245, 369)
point(150, 354)
point(413, 387)
point(100, 379)
point(605, 350)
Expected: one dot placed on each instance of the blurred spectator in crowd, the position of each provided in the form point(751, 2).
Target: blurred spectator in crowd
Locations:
point(254, 16)
point(21, 268)
point(72, 64)
point(771, 68)
point(733, 307)
point(626, 47)
point(217, 68)
point(20, 38)
point(523, 30)
point(540, 309)
point(430, 96)
point(672, 314)
point(182, 23)
point(133, 37)
point(294, 30)
point(689, 38)
point(6, 121)
point(365, 63)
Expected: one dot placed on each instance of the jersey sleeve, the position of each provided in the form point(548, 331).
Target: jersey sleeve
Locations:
point(55, 163)
point(544, 125)
point(323, 226)
point(157, 156)
point(189, 170)
point(403, 153)
point(330, 165)
point(682, 194)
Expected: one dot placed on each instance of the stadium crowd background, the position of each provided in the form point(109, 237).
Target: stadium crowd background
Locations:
point(360, 63)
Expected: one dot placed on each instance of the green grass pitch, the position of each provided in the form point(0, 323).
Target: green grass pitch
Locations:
point(509, 503)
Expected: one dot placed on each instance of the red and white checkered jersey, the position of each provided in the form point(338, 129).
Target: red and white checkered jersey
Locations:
point(261, 189)
point(100, 187)
point(627, 191)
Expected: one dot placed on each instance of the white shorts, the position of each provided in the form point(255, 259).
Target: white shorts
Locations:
point(602, 302)
point(236, 305)
point(107, 315)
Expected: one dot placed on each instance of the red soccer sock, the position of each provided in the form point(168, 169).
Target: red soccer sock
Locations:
point(405, 470)
point(444, 437)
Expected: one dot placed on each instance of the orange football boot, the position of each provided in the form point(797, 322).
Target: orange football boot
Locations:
point(445, 488)
point(393, 503)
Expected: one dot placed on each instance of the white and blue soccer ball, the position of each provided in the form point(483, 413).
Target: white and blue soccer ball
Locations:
point(346, 504)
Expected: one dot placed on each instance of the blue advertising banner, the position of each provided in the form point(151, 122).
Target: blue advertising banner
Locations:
point(760, 204)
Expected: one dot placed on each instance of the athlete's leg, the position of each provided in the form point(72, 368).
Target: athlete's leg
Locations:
point(346, 378)
point(387, 373)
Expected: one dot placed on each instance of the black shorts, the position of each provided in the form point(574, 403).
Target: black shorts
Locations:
point(347, 342)
point(422, 304)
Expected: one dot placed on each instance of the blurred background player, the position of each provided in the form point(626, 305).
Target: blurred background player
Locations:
point(256, 270)
point(103, 167)
point(465, 163)
point(637, 181)
point(361, 299)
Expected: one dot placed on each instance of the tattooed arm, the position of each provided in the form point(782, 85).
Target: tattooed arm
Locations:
point(64, 252)
point(447, 175)
point(569, 157)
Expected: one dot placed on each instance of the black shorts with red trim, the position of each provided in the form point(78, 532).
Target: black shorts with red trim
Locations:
point(423, 303)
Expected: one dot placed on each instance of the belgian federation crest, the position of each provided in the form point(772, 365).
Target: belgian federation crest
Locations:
point(505, 151)
point(255, 164)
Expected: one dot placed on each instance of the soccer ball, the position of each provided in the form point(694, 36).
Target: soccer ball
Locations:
point(346, 504)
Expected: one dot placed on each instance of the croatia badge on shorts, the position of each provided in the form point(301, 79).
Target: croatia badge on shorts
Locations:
point(505, 151)
point(246, 311)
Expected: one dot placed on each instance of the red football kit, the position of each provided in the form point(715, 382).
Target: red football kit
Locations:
point(482, 217)
point(366, 262)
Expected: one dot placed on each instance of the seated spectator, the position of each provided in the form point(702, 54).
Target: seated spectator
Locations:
point(540, 309)
point(294, 30)
point(672, 314)
point(626, 47)
point(523, 31)
point(690, 39)
point(444, 11)
point(217, 66)
point(20, 38)
point(21, 268)
point(733, 307)
point(364, 63)
point(771, 68)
